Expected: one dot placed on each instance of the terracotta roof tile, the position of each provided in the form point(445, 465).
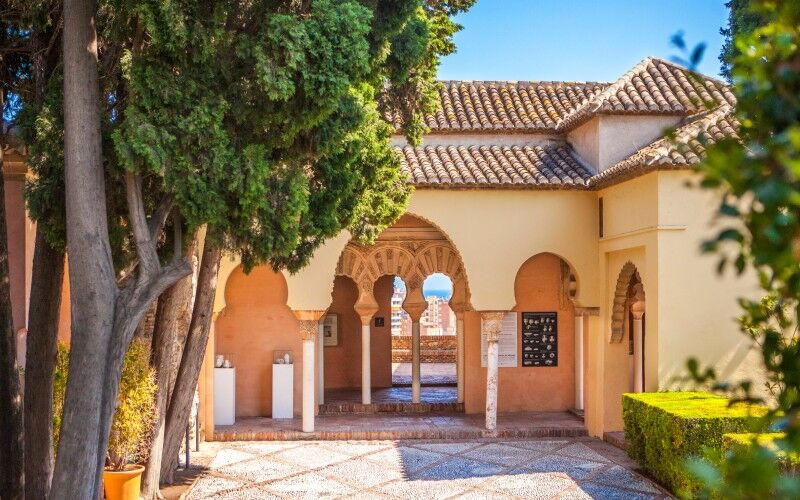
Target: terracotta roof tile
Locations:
point(653, 86)
point(688, 148)
point(524, 165)
point(467, 106)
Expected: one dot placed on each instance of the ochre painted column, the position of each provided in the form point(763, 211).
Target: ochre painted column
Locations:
point(321, 361)
point(492, 324)
point(579, 320)
point(366, 307)
point(415, 305)
point(309, 328)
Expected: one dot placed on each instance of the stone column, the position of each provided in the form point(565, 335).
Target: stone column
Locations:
point(637, 311)
point(366, 307)
point(492, 324)
point(415, 305)
point(460, 356)
point(309, 328)
point(321, 362)
point(579, 360)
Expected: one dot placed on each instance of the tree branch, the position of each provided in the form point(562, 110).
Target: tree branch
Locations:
point(159, 217)
point(145, 248)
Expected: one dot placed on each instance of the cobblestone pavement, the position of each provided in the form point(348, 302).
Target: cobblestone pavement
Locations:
point(529, 468)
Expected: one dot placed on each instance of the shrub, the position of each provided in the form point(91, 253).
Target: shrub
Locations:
point(666, 429)
point(772, 442)
point(134, 415)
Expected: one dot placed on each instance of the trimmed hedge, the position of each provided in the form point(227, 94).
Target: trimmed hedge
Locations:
point(741, 441)
point(664, 429)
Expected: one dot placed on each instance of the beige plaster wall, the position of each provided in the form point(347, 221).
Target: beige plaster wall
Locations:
point(16, 234)
point(496, 231)
point(606, 139)
point(619, 136)
point(537, 289)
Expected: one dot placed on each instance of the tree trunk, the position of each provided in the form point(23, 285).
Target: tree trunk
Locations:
point(171, 317)
point(181, 401)
point(42, 346)
point(91, 272)
point(12, 479)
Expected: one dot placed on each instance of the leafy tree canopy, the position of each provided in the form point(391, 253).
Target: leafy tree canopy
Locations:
point(269, 121)
point(760, 179)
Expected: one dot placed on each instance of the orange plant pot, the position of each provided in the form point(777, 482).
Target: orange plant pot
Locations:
point(124, 484)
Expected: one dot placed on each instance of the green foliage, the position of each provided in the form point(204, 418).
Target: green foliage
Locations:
point(59, 389)
point(774, 442)
point(742, 20)
point(665, 429)
point(268, 121)
point(134, 416)
point(759, 177)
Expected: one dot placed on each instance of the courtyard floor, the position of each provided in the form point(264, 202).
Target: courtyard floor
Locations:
point(523, 468)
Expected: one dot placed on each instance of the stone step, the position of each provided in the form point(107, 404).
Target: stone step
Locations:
point(389, 407)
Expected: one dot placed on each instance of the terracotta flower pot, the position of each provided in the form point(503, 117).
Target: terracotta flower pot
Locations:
point(123, 485)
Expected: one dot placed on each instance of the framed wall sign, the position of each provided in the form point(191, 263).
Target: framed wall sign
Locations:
point(539, 339)
point(330, 330)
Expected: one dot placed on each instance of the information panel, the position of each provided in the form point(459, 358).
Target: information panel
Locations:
point(506, 344)
point(539, 339)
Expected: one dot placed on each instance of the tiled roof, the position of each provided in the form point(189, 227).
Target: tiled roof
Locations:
point(546, 167)
point(687, 148)
point(480, 106)
point(654, 87)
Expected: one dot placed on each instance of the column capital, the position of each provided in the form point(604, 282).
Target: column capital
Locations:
point(309, 329)
point(637, 301)
point(310, 315)
point(492, 324)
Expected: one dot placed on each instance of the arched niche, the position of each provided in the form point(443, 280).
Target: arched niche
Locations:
point(627, 279)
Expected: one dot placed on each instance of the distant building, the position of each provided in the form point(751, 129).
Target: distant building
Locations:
point(401, 321)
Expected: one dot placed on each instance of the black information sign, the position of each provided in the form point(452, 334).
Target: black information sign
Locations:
point(539, 339)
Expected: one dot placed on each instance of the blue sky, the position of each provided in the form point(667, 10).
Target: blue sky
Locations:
point(578, 40)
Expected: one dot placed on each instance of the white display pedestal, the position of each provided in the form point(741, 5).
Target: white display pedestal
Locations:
point(224, 396)
point(283, 391)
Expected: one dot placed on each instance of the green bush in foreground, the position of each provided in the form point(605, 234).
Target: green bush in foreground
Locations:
point(666, 429)
point(770, 441)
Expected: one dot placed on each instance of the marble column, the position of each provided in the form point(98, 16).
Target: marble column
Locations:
point(460, 356)
point(366, 307)
point(309, 329)
point(637, 311)
point(492, 325)
point(579, 360)
point(415, 304)
point(321, 362)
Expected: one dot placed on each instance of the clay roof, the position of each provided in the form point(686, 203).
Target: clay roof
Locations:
point(687, 148)
point(548, 167)
point(481, 106)
point(654, 87)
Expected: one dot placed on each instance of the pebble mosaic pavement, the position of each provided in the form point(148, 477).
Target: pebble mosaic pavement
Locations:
point(526, 468)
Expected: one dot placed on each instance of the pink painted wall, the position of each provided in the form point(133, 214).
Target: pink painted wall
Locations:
point(255, 322)
point(537, 289)
point(343, 362)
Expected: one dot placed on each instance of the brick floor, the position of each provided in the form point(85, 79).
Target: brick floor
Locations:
point(579, 468)
point(404, 426)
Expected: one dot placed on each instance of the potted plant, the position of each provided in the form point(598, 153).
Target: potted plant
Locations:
point(131, 427)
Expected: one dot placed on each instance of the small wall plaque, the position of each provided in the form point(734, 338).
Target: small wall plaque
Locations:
point(539, 339)
point(379, 321)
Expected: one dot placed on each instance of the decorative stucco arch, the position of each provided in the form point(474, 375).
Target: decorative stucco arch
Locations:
point(412, 259)
point(627, 274)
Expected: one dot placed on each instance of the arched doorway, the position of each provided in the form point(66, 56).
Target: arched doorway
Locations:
point(411, 250)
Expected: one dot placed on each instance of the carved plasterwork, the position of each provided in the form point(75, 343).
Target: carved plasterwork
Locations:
point(492, 324)
point(411, 260)
point(628, 277)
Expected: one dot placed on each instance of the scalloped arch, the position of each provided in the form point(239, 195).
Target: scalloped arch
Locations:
point(626, 274)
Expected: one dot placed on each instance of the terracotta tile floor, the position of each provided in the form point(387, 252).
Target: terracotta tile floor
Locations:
point(404, 426)
point(581, 468)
